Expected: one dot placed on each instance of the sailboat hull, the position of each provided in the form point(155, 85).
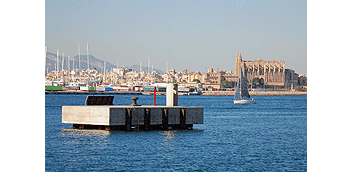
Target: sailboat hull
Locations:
point(244, 102)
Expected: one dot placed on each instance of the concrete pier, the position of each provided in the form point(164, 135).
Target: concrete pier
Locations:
point(99, 113)
point(132, 117)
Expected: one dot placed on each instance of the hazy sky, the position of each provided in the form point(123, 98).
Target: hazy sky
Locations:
point(187, 34)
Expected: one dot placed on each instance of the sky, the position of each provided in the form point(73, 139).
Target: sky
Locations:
point(26, 31)
point(189, 34)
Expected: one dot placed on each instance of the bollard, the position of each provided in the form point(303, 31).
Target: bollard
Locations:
point(134, 101)
point(172, 95)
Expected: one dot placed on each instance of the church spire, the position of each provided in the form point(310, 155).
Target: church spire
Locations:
point(238, 64)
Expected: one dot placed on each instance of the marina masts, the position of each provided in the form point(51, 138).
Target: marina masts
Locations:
point(148, 64)
point(57, 64)
point(68, 63)
point(69, 69)
point(79, 63)
point(88, 62)
point(46, 52)
point(167, 73)
point(62, 67)
point(104, 70)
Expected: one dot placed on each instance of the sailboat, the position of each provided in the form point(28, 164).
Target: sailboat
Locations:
point(241, 94)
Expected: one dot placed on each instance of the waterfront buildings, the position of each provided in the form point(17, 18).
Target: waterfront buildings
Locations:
point(272, 74)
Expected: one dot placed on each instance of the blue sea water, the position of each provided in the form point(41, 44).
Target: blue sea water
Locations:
point(268, 136)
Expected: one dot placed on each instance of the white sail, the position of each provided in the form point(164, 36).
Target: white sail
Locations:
point(241, 94)
point(244, 90)
point(237, 92)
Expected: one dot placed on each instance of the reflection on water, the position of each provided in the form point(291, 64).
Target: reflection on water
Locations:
point(95, 139)
point(82, 132)
point(168, 137)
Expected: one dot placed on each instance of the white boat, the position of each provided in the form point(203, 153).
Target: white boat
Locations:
point(241, 94)
point(195, 92)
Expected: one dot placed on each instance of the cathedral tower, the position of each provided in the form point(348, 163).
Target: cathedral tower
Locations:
point(238, 64)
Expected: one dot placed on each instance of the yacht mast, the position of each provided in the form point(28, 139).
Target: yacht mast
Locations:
point(79, 63)
point(57, 64)
point(68, 63)
point(104, 70)
point(62, 68)
point(140, 68)
point(88, 62)
point(167, 73)
point(69, 69)
point(46, 52)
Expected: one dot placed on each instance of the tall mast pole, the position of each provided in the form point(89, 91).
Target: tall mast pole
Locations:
point(79, 63)
point(46, 52)
point(68, 63)
point(152, 72)
point(62, 68)
point(140, 68)
point(88, 62)
point(69, 68)
point(104, 70)
point(167, 73)
point(57, 64)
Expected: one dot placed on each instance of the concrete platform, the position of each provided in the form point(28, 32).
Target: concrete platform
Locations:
point(109, 117)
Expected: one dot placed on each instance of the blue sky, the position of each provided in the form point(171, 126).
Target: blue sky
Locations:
point(187, 34)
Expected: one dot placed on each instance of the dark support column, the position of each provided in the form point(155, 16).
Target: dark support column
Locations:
point(128, 118)
point(183, 118)
point(165, 119)
point(147, 119)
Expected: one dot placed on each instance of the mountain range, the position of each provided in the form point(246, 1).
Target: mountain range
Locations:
point(51, 61)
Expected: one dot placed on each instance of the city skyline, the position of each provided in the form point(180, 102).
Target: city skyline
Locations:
point(186, 34)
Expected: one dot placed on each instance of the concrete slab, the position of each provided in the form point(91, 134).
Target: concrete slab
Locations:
point(116, 115)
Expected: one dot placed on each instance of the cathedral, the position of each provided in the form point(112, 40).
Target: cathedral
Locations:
point(273, 72)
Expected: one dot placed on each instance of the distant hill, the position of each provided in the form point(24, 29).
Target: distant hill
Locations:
point(144, 68)
point(93, 63)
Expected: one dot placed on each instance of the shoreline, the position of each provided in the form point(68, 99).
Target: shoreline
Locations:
point(204, 93)
point(255, 93)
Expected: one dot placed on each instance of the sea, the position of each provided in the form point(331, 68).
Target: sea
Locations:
point(268, 136)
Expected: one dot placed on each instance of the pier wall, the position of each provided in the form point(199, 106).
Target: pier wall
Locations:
point(129, 116)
